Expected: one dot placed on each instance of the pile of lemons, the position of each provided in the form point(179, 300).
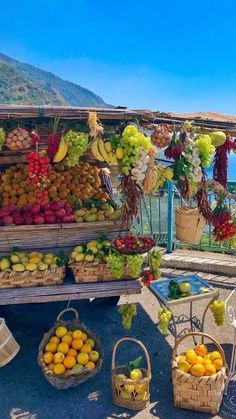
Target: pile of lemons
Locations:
point(199, 362)
point(70, 350)
point(28, 261)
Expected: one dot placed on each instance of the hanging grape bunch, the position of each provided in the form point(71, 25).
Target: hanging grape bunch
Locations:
point(154, 261)
point(115, 263)
point(127, 312)
point(161, 135)
point(18, 139)
point(77, 144)
point(218, 311)
point(164, 316)
point(2, 138)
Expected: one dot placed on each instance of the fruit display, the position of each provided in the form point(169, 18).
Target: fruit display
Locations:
point(55, 212)
point(95, 127)
point(161, 135)
point(18, 139)
point(198, 361)
point(192, 156)
point(164, 316)
point(127, 312)
point(77, 143)
point(71, 184)
point(138, 172)
point(103, 151)
point(130, 243)
point(93, 251)
point(205, 148)
point(96, 210)
point(115, 263)
point(20, 261)
point(178, 290)
point(154, 262)
point(2, 138)
point(147, 277)
point(70, 352)
point(218, 138)
point(217, 308)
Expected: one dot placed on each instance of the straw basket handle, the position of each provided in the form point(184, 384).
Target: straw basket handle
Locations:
point(138, 342)
point(204, 335)
point(65, 311)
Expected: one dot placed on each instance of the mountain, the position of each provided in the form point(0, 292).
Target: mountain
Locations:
point(26, 84)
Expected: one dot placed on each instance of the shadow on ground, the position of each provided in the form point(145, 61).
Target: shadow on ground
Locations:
point(24, 387)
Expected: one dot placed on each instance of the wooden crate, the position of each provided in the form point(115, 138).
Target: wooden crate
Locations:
point(55, 235)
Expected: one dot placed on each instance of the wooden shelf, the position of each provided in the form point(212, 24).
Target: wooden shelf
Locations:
point(69, 292)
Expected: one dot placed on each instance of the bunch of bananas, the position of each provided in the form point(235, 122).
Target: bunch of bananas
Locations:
point(102, 151)
point(62, 151)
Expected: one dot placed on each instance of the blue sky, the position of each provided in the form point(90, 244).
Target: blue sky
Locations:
point(177, 55)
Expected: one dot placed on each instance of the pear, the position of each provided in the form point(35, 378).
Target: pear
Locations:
point(79, 257)
point(42, 266)
point(15, 259)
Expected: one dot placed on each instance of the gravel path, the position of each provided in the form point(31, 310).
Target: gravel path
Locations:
point(24, 392)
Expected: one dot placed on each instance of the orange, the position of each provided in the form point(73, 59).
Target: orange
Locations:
point(72, 352)
point(201, 350)
point(67, 339)
point(82, 358)
point(77, 334)
point(77, 343)
point(86, 348)
point(51, 366)
point(59, 369)
point(210, 369)
point(61, 331)
point(54, 339)
point(51, 347)
point(206, 361)
point(90, 365)
point(63, 347)
point(197, 369)
point(218, 363)
point(58, 358)
point(69, 362)
point(84, 337)
point(69, 332)
point(48, 357)
point(199, 359)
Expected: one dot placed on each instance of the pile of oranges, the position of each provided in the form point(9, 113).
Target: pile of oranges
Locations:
point(199, 362)
point(70, 350)
point(81, 182)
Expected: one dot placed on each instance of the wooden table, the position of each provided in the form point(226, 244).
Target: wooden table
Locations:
point(69, 291)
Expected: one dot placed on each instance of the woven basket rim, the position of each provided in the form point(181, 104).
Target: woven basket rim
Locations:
point(129, 380)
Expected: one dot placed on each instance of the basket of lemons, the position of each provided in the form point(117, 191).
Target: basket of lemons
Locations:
point(198, 375)
point(130, 383)
point(69, 352)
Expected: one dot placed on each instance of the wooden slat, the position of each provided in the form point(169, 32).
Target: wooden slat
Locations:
point(69, 292)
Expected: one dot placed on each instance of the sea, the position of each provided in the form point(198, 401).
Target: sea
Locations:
point(231, 168)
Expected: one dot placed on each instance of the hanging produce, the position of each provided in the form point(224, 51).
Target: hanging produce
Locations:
point(2, 138)
point(103, 151)
point(77, 144)
point(218, 311)
point(205, 148)
point(38, 168)
point(161, 135)
point(132, 194)
point(154, 261)
point(220, 163)
point(18, 139)
point(61, 151)
point(218, 138)
point(95, 126)
point(132, 141)
point(224, 226)
point(164, 316)
point(127, 312)
point(175, 148)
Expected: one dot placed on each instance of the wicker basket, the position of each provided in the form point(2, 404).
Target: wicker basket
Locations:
point(203, 394)
point(8, 346)
point(135, 402)
point(90, 272)
point(189, 224)
point(32, 279)
point(65, 381)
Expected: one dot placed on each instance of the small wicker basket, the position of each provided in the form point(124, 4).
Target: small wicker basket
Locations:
point(32, 279)
point(139, 396)
point(65, 381)
point(90, 272)
point(203, 394)
point(8, 345)
point(189, 224)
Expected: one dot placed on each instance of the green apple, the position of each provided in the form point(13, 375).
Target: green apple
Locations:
point(184, 287)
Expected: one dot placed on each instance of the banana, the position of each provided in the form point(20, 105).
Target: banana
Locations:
point(108, 146)
point(61, 152)
point(95, 150)
point(102, 151)
point(112, 157)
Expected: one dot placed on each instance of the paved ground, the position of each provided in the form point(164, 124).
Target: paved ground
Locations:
point(24, 392)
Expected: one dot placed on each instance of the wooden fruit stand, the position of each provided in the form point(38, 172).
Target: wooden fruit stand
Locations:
point(58, 236)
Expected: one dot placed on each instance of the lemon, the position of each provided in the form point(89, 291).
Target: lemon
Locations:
point(125, 395)
point(35, 259)
point(42, 266)
point(48, 260)
point(61, 331)
point(215, 355)
point(18, 267)
point(119, 153)
point(15, 259)
point(79, 257)
point(31, 267)
point(4, 264)
point(136, 374)
point(183, 366)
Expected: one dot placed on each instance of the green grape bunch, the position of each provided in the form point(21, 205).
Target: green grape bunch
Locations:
point(127, 312)
point(164, 316)
point(115, 263)
point(154, 261)
point(132, 141)
point(218, 311)
point(205, 149)
point(2, 138)
point(134, 265)
point(77, 145)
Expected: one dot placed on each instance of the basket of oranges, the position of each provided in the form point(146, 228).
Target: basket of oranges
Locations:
point(198, 375)
point(69, 352)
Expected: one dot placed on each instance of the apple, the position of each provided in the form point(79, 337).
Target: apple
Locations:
point(94, 356)
point(218, 138)
point(184, 287)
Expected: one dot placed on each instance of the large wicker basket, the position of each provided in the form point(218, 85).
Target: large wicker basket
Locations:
point(90, 272)
point(203, 394)
point(32, 279)
point(140, 396)
point(189, 224)
point(8, 345)
point(65, 381)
